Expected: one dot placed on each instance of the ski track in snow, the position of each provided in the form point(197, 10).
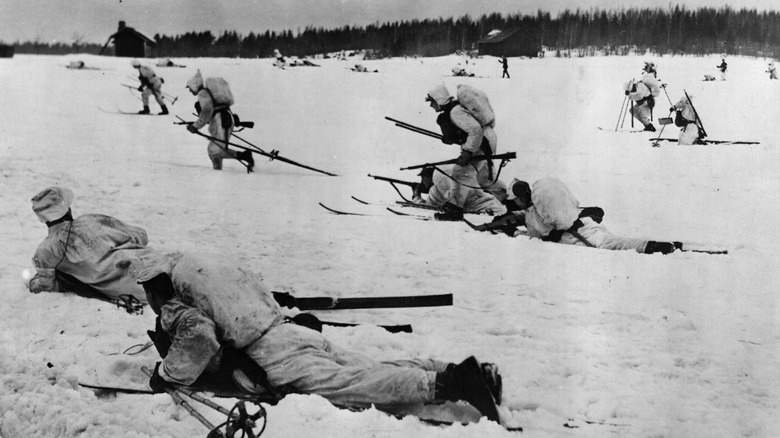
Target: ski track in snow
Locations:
point(676, 346)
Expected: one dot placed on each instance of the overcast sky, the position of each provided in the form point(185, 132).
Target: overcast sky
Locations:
point(94, 20)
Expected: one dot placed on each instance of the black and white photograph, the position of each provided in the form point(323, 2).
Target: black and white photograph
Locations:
point(390, 219)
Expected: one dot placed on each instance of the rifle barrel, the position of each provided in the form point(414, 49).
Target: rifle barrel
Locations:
point(505, 156)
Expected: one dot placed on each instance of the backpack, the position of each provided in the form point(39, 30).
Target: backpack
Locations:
point(476, 103)
point(219, 90)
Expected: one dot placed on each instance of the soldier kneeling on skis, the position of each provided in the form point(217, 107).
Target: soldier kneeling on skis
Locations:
point(685, 118)
point(207, 306)
point(435, 185)
point(550, 212)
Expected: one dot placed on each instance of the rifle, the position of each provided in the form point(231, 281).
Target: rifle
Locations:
point(327, 303)
point(394, 181)
point(504, 157)
point(698, 119)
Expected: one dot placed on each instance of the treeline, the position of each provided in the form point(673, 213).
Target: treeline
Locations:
point(660, 31)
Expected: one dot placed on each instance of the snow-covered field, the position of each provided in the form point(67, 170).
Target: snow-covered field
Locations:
point(684, 345)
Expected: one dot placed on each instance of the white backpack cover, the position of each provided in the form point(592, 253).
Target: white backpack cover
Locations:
point(476, 103)
point(555, 203)
point(220, 91)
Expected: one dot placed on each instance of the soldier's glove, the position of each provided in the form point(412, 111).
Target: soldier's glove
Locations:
point(156, 382)
point(464, 158)
point(626, 92)
point(141, 88)
point(192, 128)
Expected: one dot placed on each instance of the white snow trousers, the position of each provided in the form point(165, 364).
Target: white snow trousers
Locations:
point(303, 358)
point(598, 235)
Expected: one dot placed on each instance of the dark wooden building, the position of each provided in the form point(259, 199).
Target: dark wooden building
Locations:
point(509, 42)
point(131, 43)
point(6, 51)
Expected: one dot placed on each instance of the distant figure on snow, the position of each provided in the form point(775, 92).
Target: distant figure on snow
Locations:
point(166, 62)
point(771, 70)
point(723, 67)
point(360, 68)
point(76, 65)
point(650, 68)
point(550, 212)
point(92, 253)
point(151, 84)
point(458, 70)
point(505, 65)
point(280, 61)
point(643, 93)
point(436, 184)
point(213, 108)
point(207, 308)
point(467, 121)
point(686, 119)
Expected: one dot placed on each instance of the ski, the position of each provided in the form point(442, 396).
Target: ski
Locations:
point(285, 299)
point(622, 131)
point(415, 216)
point(351, 213)
point(128, 113)
point(427, 414)
point(340, 212)
point(707, 142)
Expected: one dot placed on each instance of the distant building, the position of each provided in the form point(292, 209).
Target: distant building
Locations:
point(6, 51)
point(509, 42)
point(130, 43)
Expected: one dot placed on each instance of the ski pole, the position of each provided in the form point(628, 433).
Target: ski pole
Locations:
point(273, 155)
point(414, 128)
point(622, 108)
point(176, 396)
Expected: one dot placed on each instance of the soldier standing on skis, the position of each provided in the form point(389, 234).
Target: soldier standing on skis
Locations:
point(468, 122)
point(213, 108)
point(92, 253)
point(151, 84)
point(206, 306)
point(550, 212)
point(643, 93)
point(685, 118)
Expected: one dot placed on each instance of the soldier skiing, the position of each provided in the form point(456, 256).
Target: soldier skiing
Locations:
point(151, 84)
point(213, 108)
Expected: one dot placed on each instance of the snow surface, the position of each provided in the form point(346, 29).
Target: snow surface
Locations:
point(683, 345)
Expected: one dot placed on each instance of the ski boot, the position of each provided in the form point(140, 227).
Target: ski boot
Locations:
point(450, 212)
point(250, 161)
point(164, 110)
point(144, 111)
point(649, 127)
point(464, 381)
point(493, 380)
point(653, 247)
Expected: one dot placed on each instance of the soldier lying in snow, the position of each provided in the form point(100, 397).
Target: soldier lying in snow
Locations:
point(550, 212)
point(93, 253)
